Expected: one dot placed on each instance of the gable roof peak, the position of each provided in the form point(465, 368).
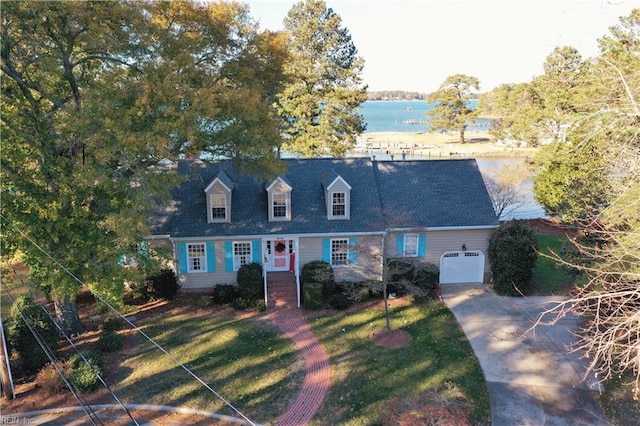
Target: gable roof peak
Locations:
point(279, 178)
point(330, 178)
point(222, 178)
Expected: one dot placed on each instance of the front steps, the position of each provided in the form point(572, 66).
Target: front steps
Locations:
point(281, 290)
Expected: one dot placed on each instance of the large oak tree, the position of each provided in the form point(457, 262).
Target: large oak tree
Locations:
point(95, 95)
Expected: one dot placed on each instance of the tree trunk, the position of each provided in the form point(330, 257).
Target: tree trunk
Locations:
point(67, 313)
point(386, 307)
point(462, 135)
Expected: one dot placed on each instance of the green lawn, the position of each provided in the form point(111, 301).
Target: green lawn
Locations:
point(247, 361)
point(549, 278)
point(369, 379)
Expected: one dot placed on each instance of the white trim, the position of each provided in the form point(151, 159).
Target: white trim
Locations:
point(335, 180)
point(255, 237)
point(203, 265)
point(443, 228)
point(217, 179)
point(279, 178)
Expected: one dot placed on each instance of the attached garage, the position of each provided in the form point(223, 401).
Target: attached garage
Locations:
point(462, 267)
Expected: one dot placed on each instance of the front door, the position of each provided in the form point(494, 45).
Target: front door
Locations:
point(278, 254)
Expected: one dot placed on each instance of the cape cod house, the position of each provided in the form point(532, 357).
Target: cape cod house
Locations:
point(348, 212)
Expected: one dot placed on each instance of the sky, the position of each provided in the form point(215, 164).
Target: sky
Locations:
point(415, 45)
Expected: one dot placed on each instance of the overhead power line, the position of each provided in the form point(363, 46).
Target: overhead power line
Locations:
point(132, 325)
point(49, 353)
point(72, 344)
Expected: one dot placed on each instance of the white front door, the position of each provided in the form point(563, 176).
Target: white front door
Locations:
point(278, 254)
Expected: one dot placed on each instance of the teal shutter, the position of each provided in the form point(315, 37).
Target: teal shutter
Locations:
point(211, 257)
point(352, 250)
point(256, 252)
point(228, 256)
point(182, 258)
point(400, 245)
point(143, 250)
point(326, 250)
point(422, 245)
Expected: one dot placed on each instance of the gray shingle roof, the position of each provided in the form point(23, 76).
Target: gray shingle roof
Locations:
point(426, 193)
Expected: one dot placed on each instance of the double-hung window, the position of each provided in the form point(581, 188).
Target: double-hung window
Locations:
point(241, 254)
point(410, 245)
point(218, 207)
point(196, 257)
point(339, 252)
point(280, 203)
point(338, 204)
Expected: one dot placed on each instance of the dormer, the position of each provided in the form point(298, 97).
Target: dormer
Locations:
point(337, 193)
point(218, 194)
point(279, 199)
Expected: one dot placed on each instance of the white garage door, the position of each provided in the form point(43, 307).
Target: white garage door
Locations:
point(462, 267)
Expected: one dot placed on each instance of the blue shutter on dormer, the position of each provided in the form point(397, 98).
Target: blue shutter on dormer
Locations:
point(228, 256)
point(400, 245)
point(182, 258)
point(422, 244)
point(326, 250)
point(352, 250)
point(211, 257)
point(256, 255)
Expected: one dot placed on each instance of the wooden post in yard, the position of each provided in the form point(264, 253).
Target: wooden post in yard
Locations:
point(5, 369)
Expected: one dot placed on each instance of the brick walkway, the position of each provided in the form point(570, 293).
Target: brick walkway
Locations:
point(318, 370)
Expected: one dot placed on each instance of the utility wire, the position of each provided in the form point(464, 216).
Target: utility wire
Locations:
point(132, 325)
point(68, 339)
point(49, 353)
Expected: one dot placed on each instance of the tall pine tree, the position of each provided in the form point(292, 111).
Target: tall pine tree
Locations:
point(320, 102)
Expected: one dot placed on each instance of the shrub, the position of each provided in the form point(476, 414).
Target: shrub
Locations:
point(321, 272)
point(339, 302)
point(426, 279)
point(205, 301)
point(20, 338)
point(49, 380)
point(399, 271)
point(250, 279)
point(163, 285)
point(355, 291)
point(312, 295)
point(111, 324)
point(260, 305)
point(84, 375)
point(241, 304)
point(512, 253)
point(224, 293)
point(109, 341)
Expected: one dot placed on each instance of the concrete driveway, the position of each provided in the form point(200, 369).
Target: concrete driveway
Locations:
point(532, 377)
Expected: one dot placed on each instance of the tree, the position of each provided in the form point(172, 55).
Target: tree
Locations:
point(452, 110)
point(610, 259)
point(572, 181)
point(320, 102)
point(503, 188)
point(95, 95)
point(512, 254)
point(514, 109)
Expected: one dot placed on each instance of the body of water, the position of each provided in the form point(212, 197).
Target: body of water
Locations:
point(405, 116)
point(409, 116)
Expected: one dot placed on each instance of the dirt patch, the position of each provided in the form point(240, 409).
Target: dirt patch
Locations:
point(394, 339)
point(551, 227)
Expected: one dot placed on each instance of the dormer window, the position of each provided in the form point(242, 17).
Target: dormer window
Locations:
point(338, 204)
point(218, 207)
point(280, 205)
point(337, 195)
point(279, 194)
point(218, 194)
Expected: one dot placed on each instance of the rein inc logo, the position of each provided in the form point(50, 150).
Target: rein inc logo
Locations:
point(16, 420)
